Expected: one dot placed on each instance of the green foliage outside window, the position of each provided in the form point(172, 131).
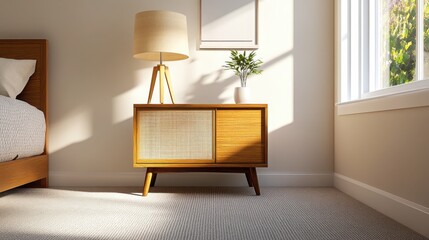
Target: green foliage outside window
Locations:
point(426, 26)
point(402, 39)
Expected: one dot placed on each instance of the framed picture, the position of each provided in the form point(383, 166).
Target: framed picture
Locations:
point(227, 24)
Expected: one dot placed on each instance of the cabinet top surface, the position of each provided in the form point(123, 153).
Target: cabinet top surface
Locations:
point(201, 105)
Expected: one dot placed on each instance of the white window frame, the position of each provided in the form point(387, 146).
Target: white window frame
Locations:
point(357, 77)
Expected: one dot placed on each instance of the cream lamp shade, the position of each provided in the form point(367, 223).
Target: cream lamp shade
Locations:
point(160, 35)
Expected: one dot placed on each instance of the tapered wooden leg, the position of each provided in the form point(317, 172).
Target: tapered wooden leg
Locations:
point(164, 72)
point(254, 177)
point(170, 86)
point(147, 181)
point(249, 178)
point(152, 183)
point(152, 83)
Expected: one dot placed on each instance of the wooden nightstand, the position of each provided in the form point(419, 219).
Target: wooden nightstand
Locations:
point(200, 138)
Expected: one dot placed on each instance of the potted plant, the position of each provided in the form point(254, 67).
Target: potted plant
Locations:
point(243, 66)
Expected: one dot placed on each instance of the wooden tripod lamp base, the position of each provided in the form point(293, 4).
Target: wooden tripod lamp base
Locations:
point(163, 72)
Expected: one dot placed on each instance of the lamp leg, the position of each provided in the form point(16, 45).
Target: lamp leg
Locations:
point(161, 83)
point(170, 87)
point(164, 72)
point(152, 83)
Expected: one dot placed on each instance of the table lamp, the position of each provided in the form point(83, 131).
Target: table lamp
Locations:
point(160, 36)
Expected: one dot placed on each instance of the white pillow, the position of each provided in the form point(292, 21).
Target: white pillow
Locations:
point(14, 75)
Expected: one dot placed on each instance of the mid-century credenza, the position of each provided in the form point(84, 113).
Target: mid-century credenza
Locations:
point(200, 138)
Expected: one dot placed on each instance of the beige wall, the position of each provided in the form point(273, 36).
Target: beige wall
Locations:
point(388, 150)
point(94, 81)
point(381, 153)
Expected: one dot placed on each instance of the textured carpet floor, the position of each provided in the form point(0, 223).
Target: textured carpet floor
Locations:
point(192, 213)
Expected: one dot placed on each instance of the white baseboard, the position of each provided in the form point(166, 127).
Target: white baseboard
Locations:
point(100, 179)
point(408, 213)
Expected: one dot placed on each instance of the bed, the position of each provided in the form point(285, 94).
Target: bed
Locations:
point(29, 171)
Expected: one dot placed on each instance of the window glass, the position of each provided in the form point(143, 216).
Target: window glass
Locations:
point(399, 26)
point(426, 39)
point(384, 43)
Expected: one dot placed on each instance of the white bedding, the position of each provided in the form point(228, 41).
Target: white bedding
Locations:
point(22, 129)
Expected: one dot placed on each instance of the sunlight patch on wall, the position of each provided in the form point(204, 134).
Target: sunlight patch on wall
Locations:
point(277, 85)
point(281, 99)
point(73, 128)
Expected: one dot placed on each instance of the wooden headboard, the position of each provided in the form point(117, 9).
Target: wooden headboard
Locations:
point(35, 93)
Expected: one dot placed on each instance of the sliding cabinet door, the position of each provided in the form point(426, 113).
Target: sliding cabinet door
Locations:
point(240, 136)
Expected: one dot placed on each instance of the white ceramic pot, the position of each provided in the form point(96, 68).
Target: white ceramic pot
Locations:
point(242, 95)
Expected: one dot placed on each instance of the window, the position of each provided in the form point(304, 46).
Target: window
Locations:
point(383, 47)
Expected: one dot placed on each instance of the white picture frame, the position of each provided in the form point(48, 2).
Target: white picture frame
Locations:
point(226, 24)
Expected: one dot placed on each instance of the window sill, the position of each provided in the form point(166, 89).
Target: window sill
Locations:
point(403, 100)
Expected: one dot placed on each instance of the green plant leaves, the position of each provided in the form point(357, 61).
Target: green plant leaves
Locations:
point(243, 65)
point(402, 41)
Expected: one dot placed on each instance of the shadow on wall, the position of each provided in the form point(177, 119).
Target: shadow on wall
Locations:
point(111, 149)
point(93, 143)
point(210, 92)
point(203, 92)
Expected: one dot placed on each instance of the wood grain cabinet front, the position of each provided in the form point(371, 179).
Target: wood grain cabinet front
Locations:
point(240, 136)
point(200, 137)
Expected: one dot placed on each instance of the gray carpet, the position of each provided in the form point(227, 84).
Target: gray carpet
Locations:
point(192, 213)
